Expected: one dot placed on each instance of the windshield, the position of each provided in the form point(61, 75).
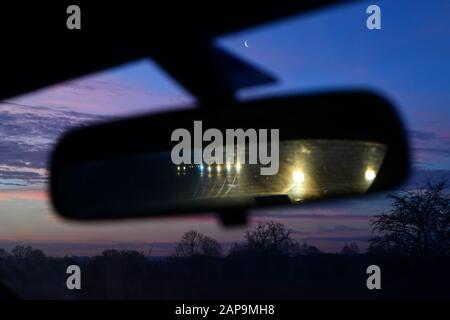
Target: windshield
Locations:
point(407, 61)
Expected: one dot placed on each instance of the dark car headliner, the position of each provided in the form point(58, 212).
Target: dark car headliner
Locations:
point(37, 51)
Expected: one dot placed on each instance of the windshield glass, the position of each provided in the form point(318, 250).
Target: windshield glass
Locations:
point(407, 61)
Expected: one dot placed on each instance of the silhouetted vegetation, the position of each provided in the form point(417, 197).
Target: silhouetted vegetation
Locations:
point(271, 239)
point(411, 247)
point(194, 243)
point(418, 223)
point(351, 248)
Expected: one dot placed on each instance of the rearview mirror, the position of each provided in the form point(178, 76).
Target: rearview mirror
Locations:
point(270, 152)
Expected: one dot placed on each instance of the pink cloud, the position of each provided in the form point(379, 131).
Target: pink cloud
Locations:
point(32, 195)
point(110, 92)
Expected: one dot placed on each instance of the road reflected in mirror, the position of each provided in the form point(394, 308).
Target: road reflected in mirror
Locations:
point(308, 170)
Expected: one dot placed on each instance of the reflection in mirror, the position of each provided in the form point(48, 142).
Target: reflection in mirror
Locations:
point(308, 169)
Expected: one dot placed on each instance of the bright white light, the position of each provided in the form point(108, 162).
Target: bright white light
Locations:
point(201, 167)
point(178, 168)
point(228, 167)
point(209, 168)
point(370, 175)
point(238, 167)
point(184, 168)
point(298, 176)
point(218, 168)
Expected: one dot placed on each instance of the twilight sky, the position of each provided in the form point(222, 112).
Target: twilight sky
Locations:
point(407, 61)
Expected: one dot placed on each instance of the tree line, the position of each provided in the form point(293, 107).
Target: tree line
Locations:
point(411, 244)
point(417, 224)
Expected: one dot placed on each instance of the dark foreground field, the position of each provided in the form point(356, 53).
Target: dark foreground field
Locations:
point(131, 275)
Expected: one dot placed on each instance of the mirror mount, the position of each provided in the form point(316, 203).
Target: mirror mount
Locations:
point(233, 218)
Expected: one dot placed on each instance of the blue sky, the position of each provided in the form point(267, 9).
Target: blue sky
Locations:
point(407, 61)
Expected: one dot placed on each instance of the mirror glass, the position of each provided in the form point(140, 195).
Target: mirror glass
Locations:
point(308, 169)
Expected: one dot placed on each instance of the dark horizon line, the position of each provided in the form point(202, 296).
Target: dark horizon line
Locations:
point(165, 249)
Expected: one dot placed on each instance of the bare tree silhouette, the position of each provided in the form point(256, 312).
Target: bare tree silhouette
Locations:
point(418, 223)
point(268, 238)
point(194, 243)
point(302, 249)
point(27, 252)
point(350, 248)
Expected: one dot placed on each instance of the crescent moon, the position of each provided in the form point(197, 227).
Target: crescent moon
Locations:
point(245, 43)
